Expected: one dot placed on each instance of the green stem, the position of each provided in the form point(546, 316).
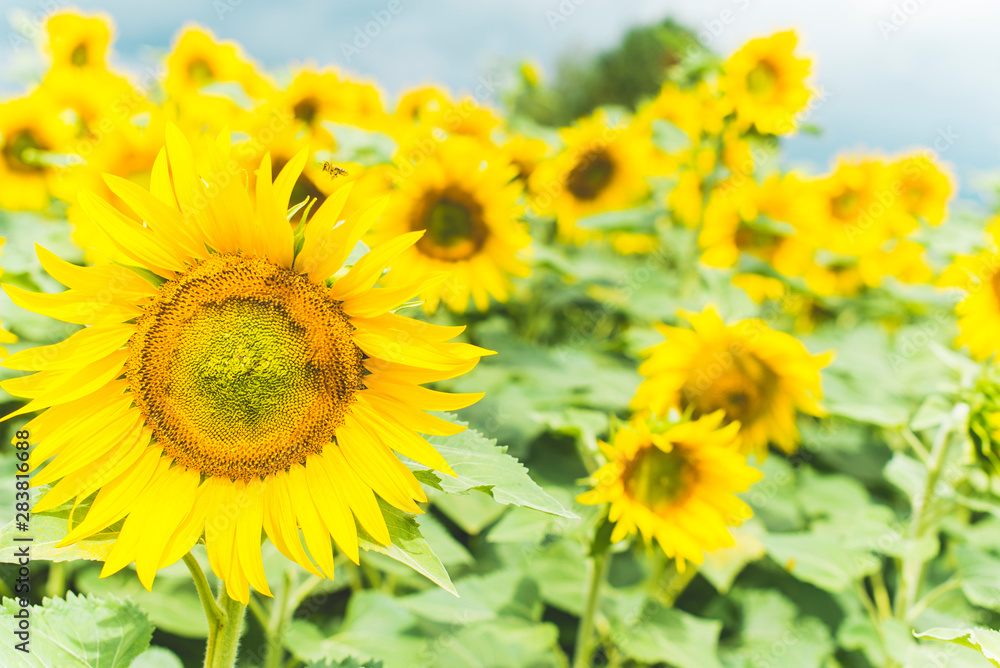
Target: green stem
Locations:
point(55, 585)
point(227, 639)
point(932, 596)
point(213, 612)
point(912, 570)
point(584, 638)
point(276, 625)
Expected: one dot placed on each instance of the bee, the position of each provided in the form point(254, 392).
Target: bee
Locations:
point(333, 170)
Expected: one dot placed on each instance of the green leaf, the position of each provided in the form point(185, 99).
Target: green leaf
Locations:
point(985, 641)
point(977, 574)
point(641, 219)
point(408, 546)
point(646, 631)
point(820, 559)
point(47, 531)
point(722, 566)
point(349, 662)
point(776, 632)
point(48, 528)
point(157, 657)
point(173, 605)
point(502, 642)
point(668, 137)
point(78, 632)
point(480, 464)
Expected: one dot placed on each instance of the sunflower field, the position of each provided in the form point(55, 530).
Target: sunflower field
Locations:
point(578, 373)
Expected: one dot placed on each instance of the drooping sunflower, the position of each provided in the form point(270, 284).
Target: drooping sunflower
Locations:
point(78, 41)
point(979, 312)
point(602, 167)
point(766, 83)
point(675, 483)
point(759, 377)
point(464, 197)
point(232, 383)
point(30, 128)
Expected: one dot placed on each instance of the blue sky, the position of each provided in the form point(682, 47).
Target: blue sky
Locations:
point(897, 74)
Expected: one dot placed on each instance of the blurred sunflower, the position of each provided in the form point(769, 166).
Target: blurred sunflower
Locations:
point(78, 41)
point(979, 312)
point(95, 102)
point(697, 111)
point(317, 96)
point(601, 168)
point(30, 128)
point(526, 154)
point(465, 197)
point(199, 61)
point(924, 186)
point(5, 336)
point(229, 377)
point(854, 210)
point(757, 376)
point(675, 484)
point(129, 152)
point(766, 83)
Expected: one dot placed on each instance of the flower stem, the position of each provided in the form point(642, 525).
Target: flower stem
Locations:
point(912, 570)
point(213, 612)
point(227, 638)
point(584, 638)
point(276, 625)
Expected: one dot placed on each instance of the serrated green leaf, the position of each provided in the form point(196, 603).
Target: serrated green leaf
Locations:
point(480, 464)
point(985, 641)
point(646, 631)
point(173, 605)
point(77, 632)
point(408, 546)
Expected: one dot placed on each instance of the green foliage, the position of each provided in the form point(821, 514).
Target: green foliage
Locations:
point(78, 632)
point(623, 76)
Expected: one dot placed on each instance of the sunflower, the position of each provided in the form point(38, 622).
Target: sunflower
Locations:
point(465, 198)
point(602, 167)
point(5, 336)
point(766, 83)
point(95, 102)
point(128, 152)
point(758, 376)
point(229, 384)
point(854, 210)
point(526, 153)
point(906, 261)
point(198, 61)
point(30, 128)
point(697, 111)
point(78, 41)
point(675, 484)
point(317, 96)
point(924, 187)
point(283, 147)
point(979, 312)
